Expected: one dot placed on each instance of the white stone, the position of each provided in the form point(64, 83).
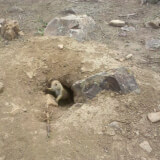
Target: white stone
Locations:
point(117, 23)
point(146, 146)
point(60, 46)
point(154, 117)
point(129, 56)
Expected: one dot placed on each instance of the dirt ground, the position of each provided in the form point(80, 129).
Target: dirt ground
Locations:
point(108, 127)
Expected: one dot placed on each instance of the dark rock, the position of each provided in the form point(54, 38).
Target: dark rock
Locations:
point(68, 11)
point(76, 26)
point(119, 80)
point(1, 87)
point(153, 1)
point(154, 23)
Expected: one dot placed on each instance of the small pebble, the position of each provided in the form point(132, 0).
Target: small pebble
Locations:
point(121, 59)
point(60, 46)
point(24, 110)
point(129, 56)
point(154, 116)
point(117, 23)
point(146, 146)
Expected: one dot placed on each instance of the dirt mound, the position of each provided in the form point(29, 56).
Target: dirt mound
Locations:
point(26, 68)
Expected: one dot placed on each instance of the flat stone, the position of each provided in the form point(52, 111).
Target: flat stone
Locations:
point(128, 28)
point(76, 26)
point(1, 87)
point(119, 80)
point(146, 146)
point(117, 23)
point(115, 125)
point(2, 20)
point(154, 117)
point(153, 44)
point(50, 101)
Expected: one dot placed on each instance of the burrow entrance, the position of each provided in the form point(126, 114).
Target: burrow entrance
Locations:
point(69, 101)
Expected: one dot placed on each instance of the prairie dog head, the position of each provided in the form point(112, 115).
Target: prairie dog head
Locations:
point(56, 85)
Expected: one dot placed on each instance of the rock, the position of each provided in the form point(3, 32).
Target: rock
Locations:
point(146, 146)
point(142, 158)
point(21, 33)
point(68, 11)
point(1, 87)
point(117, 23)
point(155, 23)
point(153, 1)
point(15, 9)
point(30, 74)
point(50, 101)
point(2, 20)
point(153, 44)
point(10, 29)
point(128, 28)
point(154, 117)
point(24, 110)
point(60, 46)
point(1, 23)
point(76, 26)
point(116, 125)
point(129, 56)
point(120, 80)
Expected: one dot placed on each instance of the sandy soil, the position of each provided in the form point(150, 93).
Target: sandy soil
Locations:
point(109, 127)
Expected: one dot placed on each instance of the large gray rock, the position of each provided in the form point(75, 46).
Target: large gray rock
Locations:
point(76, 26)
point(120, 80)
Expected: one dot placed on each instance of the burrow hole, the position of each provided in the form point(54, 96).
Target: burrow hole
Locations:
point(63, 102)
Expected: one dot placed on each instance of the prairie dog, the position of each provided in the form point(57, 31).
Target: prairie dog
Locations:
point(59, 90)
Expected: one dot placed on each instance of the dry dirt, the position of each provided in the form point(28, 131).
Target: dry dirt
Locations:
point(81, 131)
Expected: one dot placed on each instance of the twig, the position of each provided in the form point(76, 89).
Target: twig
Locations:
point(128, 15)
